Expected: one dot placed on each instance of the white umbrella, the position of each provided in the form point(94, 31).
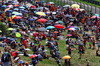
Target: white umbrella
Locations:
point(82, 9)
point(51, 3)
point(53, 12)
point(66, 6)
point(27, 49)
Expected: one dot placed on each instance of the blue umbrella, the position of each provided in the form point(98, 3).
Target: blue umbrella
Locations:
point(16, 9)
point(96, 14)
point(50, 27)
point(31, 19)
point(21, 7)
point(18, 14)
point(9, 11)
point(3, 6)
point(14, 2)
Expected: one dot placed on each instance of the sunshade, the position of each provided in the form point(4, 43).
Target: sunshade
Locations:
point(16, 5)
point(50, 27)
point(21, 7)
point(42, 29)
point(33, 56)
point(59, 26)
point(33, 6)
point(10, 28)
point(96, 14)
point(66, 57)
point(42, 20)
point(69, 34)
point(75, 6)
point(93, 17)
point(18, 14)
point(14, 12)
point(18, 34)
point(41, 13)
point(65, 6)
point(0, 31)
point(51, 3)
point(10, 6)
point(71, 29)
point(17, 17)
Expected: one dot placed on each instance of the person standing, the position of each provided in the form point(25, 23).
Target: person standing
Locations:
point(6, 58)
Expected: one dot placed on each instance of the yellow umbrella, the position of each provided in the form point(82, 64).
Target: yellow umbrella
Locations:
point(66, 57)
point(41, 13)
point(13, 16)
point(10, 28)
point(0, 31)
point(75, 6)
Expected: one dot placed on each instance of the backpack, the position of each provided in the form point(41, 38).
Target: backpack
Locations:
point(5, 57)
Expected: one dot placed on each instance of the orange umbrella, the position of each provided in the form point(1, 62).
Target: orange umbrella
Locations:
point(66, 57)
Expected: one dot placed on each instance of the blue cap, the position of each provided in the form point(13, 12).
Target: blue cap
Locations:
point(20, 61)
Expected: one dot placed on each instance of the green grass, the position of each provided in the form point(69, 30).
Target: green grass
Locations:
point(87, 3)
point(97, 0)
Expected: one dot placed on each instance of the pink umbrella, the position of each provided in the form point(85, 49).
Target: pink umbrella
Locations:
point(93, 17)
point(71, 29)
point(69, 34)
point(9, 6)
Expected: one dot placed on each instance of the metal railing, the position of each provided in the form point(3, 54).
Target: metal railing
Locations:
point(88, 8)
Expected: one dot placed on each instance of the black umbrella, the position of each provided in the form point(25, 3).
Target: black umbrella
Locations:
point(42, 29)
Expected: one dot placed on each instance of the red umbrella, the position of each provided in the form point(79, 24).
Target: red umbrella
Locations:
point(35, 34)
point(16, 5)
point(59, 26)
point(17, 17)
point(14, 53)
point(42, 20)
point(33, 6)
point(33, 56)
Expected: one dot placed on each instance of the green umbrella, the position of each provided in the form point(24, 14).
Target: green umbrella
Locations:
point(10, 28)
point(60, 22)
point(18, 34)
point(14, 12)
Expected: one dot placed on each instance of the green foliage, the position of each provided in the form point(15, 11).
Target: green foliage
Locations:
point(3, 28)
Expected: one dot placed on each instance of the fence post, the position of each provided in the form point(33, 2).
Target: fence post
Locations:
point(99, 11)
point(95, 9)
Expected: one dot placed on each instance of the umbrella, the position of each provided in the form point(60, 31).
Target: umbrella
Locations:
point(60, 22)
point(55, 32)
point(28, 4)
point(18, 14)
point(71, 29)
point(69, 34)
point(77, 9)
point(13, 16)
point(42, 29)
point(66, 57)
point(35, 18)
point(31, 19)
point(75, 6)
point(33, 56)
point(0, 31)
point(14, 53)
point(41, 13)
point(16, 9)
point(41, 8)
point(3, 6)
point(51, 3)
point(10, 28)
point(50, 20)
point(42, 20)
point(10, 6)
point(14, 2)
point(65, 6)
point(27, 49)
point(21, 7)
point(33, 6)
point(82, 9)
point(93, 17)
point(18, 34)
point(14, 12)
point(16, 5)
point(59, 26)
point(50, 27)
point(9, 11)
point(17, 17)
point(96, 14)
point(53, 12)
